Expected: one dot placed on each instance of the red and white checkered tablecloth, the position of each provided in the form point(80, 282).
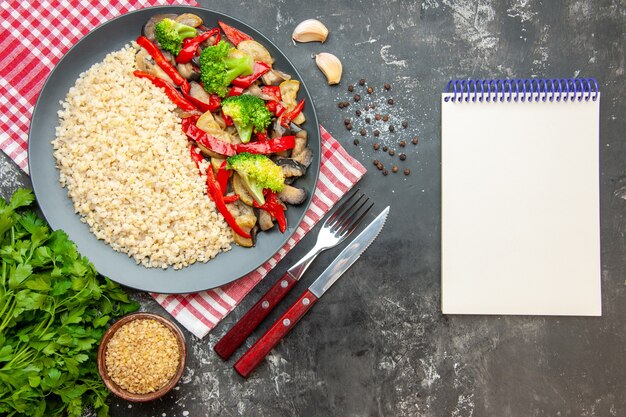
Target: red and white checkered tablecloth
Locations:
point(37, 34)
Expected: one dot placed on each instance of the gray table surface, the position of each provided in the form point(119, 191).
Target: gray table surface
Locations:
point(377, 343)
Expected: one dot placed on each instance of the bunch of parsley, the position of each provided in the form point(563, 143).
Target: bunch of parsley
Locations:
point(54, 309)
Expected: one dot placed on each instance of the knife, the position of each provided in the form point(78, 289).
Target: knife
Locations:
point(255, 355)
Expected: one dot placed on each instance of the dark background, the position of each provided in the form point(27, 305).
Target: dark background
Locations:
point(377, 343)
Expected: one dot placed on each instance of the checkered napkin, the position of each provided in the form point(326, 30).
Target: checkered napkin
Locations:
point(37, 34)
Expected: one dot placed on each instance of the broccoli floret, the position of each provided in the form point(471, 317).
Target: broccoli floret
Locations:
point(220, 64)
point(257, 172)
point(170, 34)
point(248, 113)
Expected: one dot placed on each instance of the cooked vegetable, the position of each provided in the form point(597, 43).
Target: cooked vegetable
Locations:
point(171, 92)
point(215, 193)
point(247, 223)
point(258, 70)
point(273, 206)
point(160, 60)
point(257, 172)
point(190, 46)
point(248, 113)
point(290, 167)
point(220, 65)
point(170, 34)
point(234, 35)
point(54, 309)
point(292, 195)
point(256, 51)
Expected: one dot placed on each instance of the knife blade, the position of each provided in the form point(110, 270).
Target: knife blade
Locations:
point(348, 256)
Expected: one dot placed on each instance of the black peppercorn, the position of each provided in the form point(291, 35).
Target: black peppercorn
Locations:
point(363, 132)
point(391, 128)
point(362, 81)
point(385, 148)
point(357, 97)
point(356, 141)
point(405, 124)
point(385, 173)
point(392, 152)
point(358, 112)
point(415, 140)
point(347, 122)
point(368, 120)
point(395, 168)
point(386, 118)
point(390, 101)
point(407, 171)
point(402, 157)
point(387, 86)
point(350, 88)
point(376, 132)
point(375, 161)
point(377, 116)
point(340, 104)
point(402, 143)
point(376, 146)
point(380, 166)
point(370, 90)
point(349, 126)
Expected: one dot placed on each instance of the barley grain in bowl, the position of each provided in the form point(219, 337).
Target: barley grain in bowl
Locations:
point(142, 357)
point(183, 143)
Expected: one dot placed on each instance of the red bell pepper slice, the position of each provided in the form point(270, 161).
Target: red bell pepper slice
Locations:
point(275, 107)
point(196, 156)
point(216, 193)
point(160, 60)
point(272, 91)
point(287, 118)
point(273, 207)
point(261, 137)
point(235, 91)
point(171, 92)
point(234, 35)
point(214, 102)
point(270, 146)
point(208, 141)
point(259, 69)
point(222, 177)
point(227, 120)
point(190, 45)
point(231, 198)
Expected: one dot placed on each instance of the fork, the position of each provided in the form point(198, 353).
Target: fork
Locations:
point(343, 220)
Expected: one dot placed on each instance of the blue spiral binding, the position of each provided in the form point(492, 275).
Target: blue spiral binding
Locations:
point(530, 89)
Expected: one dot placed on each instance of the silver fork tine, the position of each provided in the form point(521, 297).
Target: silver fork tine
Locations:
point(346, 213)
point(339, 210)
point(353, 224)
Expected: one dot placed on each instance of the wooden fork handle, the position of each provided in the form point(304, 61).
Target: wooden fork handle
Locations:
point(255, 355)
point(250, 321)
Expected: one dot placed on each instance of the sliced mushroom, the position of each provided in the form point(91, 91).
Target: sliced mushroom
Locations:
point(255, 50)
point(187, 71)
point(241, 190)
point(149, 30)
point(247, 223)
point(301, 141)
point(144, 62)
point(291, 167)
point(278, 130)
point(265, 220)
point(304, 158)
point(189, 19)
point(274, 77)
point(292, 195)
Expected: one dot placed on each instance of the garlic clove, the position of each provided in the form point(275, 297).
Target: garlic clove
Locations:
point(310, 30)
point(330, 66)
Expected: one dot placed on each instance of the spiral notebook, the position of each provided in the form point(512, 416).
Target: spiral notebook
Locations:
point(520, 197)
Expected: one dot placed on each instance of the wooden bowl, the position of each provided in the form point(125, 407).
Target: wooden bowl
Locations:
point(121, 392)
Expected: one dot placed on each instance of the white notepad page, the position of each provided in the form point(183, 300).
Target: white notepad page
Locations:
point(520, 208)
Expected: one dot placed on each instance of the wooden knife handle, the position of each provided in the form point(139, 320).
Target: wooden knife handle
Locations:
point(255, 355)
point(246, 325)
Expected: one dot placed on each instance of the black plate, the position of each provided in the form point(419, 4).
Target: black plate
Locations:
point(57, 206)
